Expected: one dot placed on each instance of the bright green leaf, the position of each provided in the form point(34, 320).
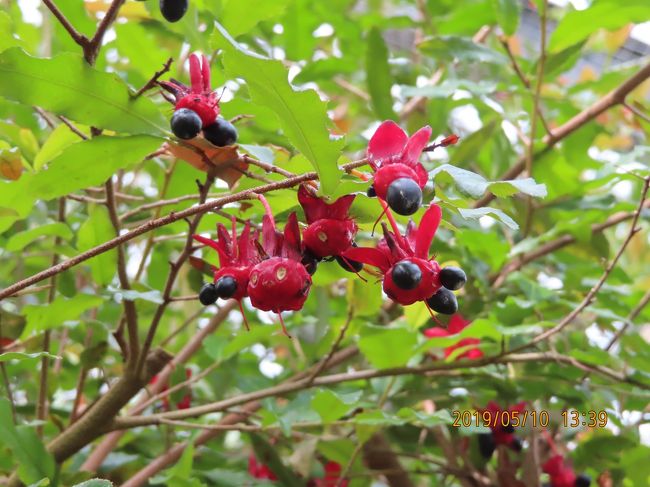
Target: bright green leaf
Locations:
point(67, 85)
point(301, 114)
point(378, 75)
point(48, 316)
point(387, 347)
point(20, 240)
point(94, 231)
point(507, 13)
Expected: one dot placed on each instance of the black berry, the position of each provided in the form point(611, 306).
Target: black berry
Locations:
point(516, 444)
point(486, 445)
point(173, 10)
point(349, 264)
point(444, 301)
point(208, 294)
point(406, 275)
point(310, 261)
point(226, 286)
point(508, 429)
point(371, 192)
point(453, 278)
point(404, 196)
point(221, 133)
point(186, 124)
point(582, 480)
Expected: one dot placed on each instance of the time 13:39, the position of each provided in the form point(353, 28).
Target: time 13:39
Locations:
point(590, 419)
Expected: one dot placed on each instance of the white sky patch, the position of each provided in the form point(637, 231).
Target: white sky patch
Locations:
point(644, 433)
point(30, 11)
point(465, 120)
point(278, 29)
point(549, 282)
point(510, 130)
point(486, 221)
point(458, 392)
point(622, 190)
point(600, 338)
point(232, 440)
point(270, 369)
point(323, 30)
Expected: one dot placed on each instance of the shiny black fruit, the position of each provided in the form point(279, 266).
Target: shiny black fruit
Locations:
point(406, 275)
point(208, 294)
point(444, 301)
point(310, 261)
point(582, 480)
point(486, 445)
point(371, 192)
point(186, 124)
point(226, 286)
point(404, 196)
point(221, 133)
point(349, 264)
point(173, 10)
point(453, 278)
point(516, 444)
point(508, 428)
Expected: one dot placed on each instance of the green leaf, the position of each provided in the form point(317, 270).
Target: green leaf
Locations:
point(476, 213)
point(331, 406)
point(60, 138)
point(301, 114)
point(48, 316)
point(465, 50)
point(67, 85)
point(6, 357)
point(508, 13)
point(605, 14)
point(240, 16)
point(98, 482)
point(81, 165)
point(96, 230)
point(474, 185)
point(378, 75)
point(20, 240)
point(387, 347)
point(35, 463)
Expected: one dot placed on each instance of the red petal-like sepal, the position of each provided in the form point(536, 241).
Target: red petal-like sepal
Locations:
point(427, 230)
point(415, 145)
point(370, 256)
point(388, 141)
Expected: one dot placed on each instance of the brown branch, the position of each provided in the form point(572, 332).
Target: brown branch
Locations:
point(130, 311)
point(596, 288)
point(74, 33)
point(430, 370)
point(615, 97)
point(160, 222)
point(152, 81)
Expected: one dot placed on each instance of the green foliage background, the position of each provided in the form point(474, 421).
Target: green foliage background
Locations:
point(339, 67)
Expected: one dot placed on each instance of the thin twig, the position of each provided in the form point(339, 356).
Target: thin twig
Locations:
point(323, 364)
point(637, 112)
point(92, 47)
point(596, 288)
point(152, 81)
point(41, 405)
point(173, 272)
point(130, 311)
point(76, 36)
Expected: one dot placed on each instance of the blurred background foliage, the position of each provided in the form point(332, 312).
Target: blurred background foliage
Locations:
point(445, 63)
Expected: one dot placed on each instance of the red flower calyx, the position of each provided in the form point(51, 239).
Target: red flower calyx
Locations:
point(409, 275)
point(332, 477)
point(330, 229)
point(259, 470)
point(562, 475)
point(280, 282)
point(457, 324)
point(198, 97)
point(186, 400)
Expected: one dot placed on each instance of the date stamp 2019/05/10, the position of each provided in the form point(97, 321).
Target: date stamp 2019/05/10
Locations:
point(569, 418)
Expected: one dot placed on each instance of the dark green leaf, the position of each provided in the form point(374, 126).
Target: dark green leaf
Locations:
point(378, 75)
